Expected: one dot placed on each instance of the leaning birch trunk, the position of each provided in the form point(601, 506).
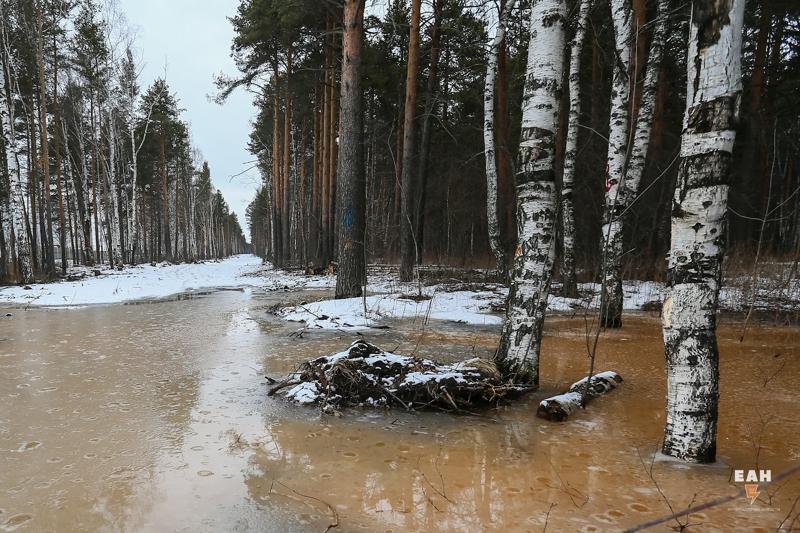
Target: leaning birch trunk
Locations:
point(518, 354)
point(495, 241)
point(647, 106)
point(698, 229)
point(611, 235)
point(351, 185)
point(568, 279)
point(17, 192)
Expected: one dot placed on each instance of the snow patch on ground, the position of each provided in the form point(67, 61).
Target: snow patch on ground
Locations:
point(143, 282)
point(468, 307)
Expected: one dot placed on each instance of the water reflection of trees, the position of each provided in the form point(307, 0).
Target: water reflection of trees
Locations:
point(471, 475)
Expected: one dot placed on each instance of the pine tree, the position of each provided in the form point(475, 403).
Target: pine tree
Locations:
point(351, 187)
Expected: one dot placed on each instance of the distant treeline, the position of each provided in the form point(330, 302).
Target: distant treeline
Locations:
point(93, 171)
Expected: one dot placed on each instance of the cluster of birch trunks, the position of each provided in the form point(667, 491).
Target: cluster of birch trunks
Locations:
point(699, 206)
point(93, 171)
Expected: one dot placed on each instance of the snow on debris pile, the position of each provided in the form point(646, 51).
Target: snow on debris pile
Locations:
point(558, 408)
point(368, 376)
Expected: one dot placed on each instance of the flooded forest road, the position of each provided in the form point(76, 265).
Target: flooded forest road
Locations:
point(154, 417)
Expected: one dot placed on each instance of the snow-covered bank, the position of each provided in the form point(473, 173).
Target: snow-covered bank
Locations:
point(483, 304)
point(456, 303)
point(469, 307)
point(469, 303)
point(138, 282)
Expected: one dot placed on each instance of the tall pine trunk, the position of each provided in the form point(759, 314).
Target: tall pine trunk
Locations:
point(351, 185)
point(407, 245)
point(568, 278)
point(286, 165)
point(518, 354)
point(425, 142)
point(698, 229)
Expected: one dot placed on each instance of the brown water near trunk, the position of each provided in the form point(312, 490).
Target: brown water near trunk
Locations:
point(154, 417)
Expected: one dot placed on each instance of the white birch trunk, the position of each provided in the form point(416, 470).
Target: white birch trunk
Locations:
point(86, 223)
point(17, 191)
point(568, 279)
point(116, 242)
point(698, 229)
point(619, 123)
point(647, 106)
point(495, 242)
point(133, 218)
point(518, 354)
point(72, 193)
point(192, 222)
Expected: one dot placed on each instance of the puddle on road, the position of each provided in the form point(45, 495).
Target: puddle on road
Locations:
point(155, 418)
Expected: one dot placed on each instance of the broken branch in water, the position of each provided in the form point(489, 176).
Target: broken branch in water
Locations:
point(333, 524)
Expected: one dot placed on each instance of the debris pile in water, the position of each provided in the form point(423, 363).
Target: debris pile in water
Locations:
point(366, 375)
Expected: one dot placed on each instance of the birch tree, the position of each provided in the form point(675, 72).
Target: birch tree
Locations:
point(493, 223)
point(13, 150)
point(568, 279)
point(116, 258)
point(518, 354)
point(699, 213)
point(48, 259)
point(611, 234)
point(627, 161)
point(644, 120)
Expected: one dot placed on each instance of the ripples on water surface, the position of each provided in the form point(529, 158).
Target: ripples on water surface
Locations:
point(155, 418)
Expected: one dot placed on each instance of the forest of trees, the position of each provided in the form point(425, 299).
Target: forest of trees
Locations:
point(423, 142)
point(566, 140)
point(95, 170)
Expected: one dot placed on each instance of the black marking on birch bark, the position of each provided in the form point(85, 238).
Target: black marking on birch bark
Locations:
point(554, 18)
point(703, 170)
point(701, 352)
point(534, 83)
point(710, 16)
point(718, 114)
point(694, 268)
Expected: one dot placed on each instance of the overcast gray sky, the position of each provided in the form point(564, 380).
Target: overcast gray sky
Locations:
point(193, 39)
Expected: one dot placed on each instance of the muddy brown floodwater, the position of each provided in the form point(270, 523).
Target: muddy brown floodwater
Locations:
point(154, 417)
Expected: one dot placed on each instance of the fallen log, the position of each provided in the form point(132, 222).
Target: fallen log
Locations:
point(558, 408)
point(365, 375)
